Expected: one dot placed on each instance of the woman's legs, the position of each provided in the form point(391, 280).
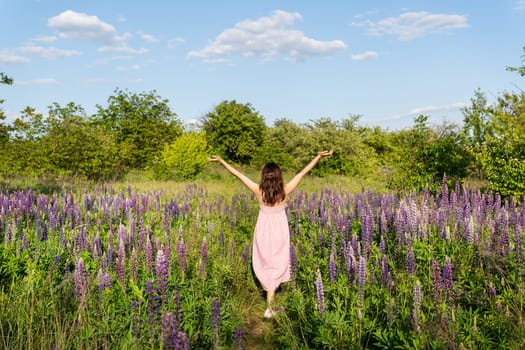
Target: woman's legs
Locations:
point(270, 296)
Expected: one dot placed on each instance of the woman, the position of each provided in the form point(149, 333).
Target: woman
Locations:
point(271, 240)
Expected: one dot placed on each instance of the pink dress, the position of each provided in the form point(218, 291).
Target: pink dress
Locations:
point(271, 247)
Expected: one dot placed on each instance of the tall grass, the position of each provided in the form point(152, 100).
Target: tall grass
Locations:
point(167, 265)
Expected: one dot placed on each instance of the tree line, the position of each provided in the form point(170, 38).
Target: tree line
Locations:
point(139, 131)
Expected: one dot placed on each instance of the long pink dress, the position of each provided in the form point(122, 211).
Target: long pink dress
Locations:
point(271, 247)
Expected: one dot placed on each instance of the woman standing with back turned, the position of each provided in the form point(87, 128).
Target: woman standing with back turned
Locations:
point(271, 240)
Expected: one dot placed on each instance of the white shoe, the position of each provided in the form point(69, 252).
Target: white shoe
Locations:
point(269, 313)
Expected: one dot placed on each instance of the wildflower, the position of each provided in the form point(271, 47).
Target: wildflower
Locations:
point(215, 315)
point(332, 267)
point(204, 257)
point(319, 288)
point(182, 254)
point(81, 282)
point(153, 301)
point(293, 260)
point(104, 281)
point(437, 281)
point(411, 264)
point(161, 274)
point(121, 260)
point(385, 273)
point(167, 330)
point(448, 280)
point(361, 283)
point(416, 306)
point(238, 340)
point(149, 254)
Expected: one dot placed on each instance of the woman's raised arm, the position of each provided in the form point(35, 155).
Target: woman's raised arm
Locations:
point(290, 186)
point(252, 186)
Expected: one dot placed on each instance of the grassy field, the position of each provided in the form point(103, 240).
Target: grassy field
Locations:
point(141, 264)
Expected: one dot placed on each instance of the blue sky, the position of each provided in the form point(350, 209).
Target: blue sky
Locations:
point(387, 61)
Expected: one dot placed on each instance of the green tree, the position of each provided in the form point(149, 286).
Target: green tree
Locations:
point(26, 150)
point(285, 144)
point(235, 130)
point(4, 79)
point(476, 126)
point(184, 158)
point(4, 129)
point(77, 147)
point(142, 125)
point(426, 153)
point(502, 153)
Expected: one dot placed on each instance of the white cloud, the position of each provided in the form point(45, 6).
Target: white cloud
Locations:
point(174, 42)
point(122, 48)
point(430, 108)
point(41, 81)
point(424, 110)
point(519, 5)
point(128, 68)
point(266, 37)
point(9, 57)
point(79, 26)
point(49, 53)
point(412, 25)
point(148, 37)
point(96, 80)
point(83, 27)
point(367, 55)
point(45, 38)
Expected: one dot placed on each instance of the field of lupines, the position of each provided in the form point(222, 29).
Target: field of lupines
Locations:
point(101, 269)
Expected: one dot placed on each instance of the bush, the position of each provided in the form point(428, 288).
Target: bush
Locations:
point(184, 158)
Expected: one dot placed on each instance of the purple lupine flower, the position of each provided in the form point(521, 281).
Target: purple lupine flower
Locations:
point(181, 250)
point(184, 340)
point(246, 253)
point(136, 323)
point(293, 260)
point(319, 288)
point(104, 281)
point(149, 254)
point(448, 280)
point(81, 282)
point(153, 302)
point(361, 283)
point(204, 257)
point(411, 262)
point(413, 218)
point(221, 238)
point(332, 267)
point(350, 264)
point(385, 272)
point(177, 301)
point(133, 265)
point(167, 330)
point(238, 338)
point(215, 320)
point(120, 268)
point(24, 242)
point(416, 306)
point(437, 282)
point(161, 275)
point(382, 245)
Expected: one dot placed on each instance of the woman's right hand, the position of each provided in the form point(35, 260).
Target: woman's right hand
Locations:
point(214, 159)
point(326, 153)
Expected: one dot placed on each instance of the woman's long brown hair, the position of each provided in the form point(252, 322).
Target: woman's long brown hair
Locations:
point(272, 185)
